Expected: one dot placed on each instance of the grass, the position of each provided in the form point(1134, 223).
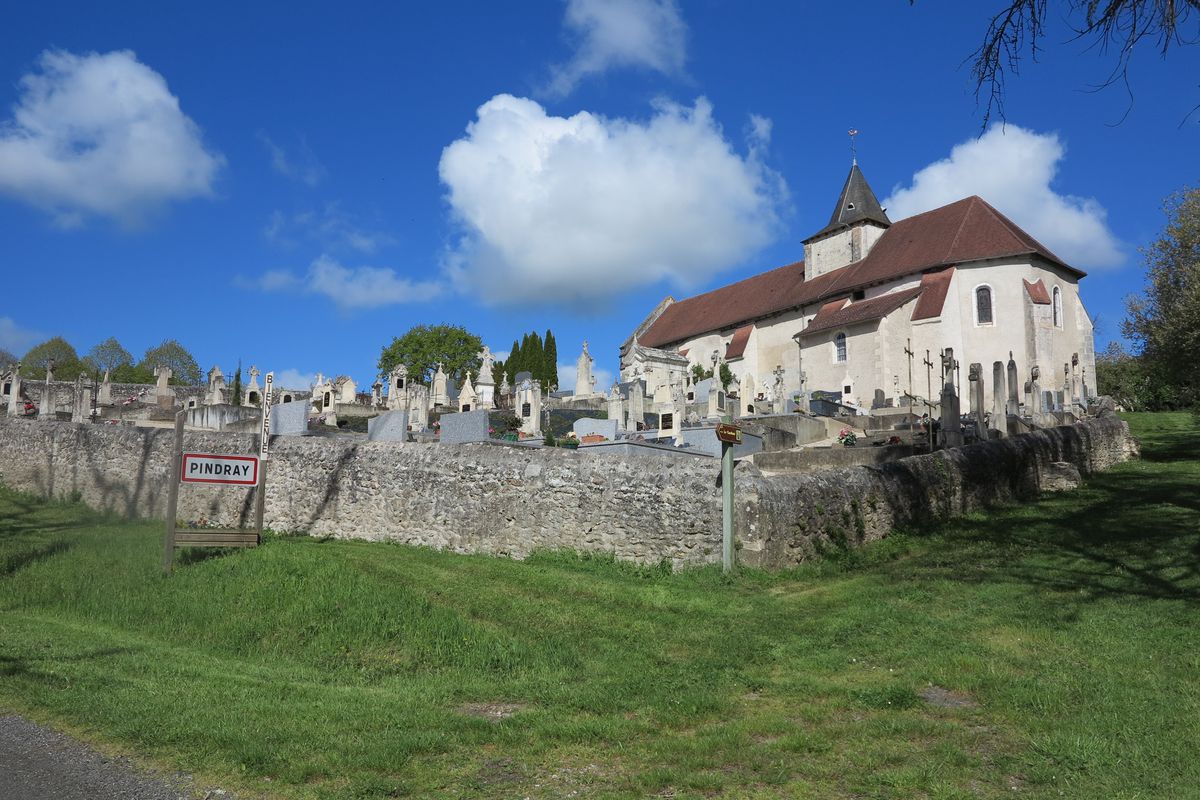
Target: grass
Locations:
point(1058, 639)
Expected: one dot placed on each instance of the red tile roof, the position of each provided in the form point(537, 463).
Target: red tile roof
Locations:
point(964, 231)
point(840, 315)
point(934, 288)
point(737, 345)
point(1037, 292)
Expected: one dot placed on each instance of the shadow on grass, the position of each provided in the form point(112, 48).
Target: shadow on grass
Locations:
point(14, 667)
point(14, 563)
point(1126, 534)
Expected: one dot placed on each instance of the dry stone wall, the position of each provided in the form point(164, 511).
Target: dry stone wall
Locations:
point(485, 498)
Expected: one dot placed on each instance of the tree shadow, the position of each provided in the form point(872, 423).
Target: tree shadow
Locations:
point(16, 562)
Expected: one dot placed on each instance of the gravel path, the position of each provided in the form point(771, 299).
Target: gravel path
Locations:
point(37, 763)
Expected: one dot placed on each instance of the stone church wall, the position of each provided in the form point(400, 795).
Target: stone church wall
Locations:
point(509, 501)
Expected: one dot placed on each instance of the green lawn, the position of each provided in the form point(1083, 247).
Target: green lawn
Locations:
point(1060, 642)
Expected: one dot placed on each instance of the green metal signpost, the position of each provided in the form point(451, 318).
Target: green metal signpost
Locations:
point(730, 436)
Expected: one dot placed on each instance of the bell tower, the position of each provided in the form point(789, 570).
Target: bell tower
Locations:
point(857, 223)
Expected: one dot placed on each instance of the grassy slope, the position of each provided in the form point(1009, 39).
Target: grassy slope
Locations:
point(337, 669)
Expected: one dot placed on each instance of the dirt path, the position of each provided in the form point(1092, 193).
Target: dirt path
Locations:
point(37, 763)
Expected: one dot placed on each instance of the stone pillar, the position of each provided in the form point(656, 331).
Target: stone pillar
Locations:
point(162, 390)
point(975, 374)
point(999, 398)
point(397, 398)
point(637, 405)
point(1035, 390)
point(440, 396)
point(376, 394)
point(46, 412)
point(105, 396)
point(585, 384)
point(1014, 386)
point(79, 401)
point(951, 418)
point(616, 407)
point(529, 407)
point(15, 405)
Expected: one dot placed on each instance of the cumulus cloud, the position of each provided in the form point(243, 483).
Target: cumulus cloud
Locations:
point(101, 134)
point(294, 379)
point(301, 166)
point(15, 339)
point(621, 33)
point(1013, 168)
point(567, 373)
point(350, 288)
point(582, 209)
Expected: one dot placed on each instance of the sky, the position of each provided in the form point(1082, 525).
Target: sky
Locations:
point(293, 185)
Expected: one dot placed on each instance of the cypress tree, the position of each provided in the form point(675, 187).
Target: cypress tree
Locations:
point(551, 360)
point(536, 358)
point(513, 365)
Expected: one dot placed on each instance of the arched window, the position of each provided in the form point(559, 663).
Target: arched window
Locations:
point(1057, 307)
point(983, 305)
point(253, 398)
point(839, 348)
point(287, 398)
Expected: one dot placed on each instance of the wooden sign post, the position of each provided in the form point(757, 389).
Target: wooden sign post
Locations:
point(730, 436)
point(222, 469)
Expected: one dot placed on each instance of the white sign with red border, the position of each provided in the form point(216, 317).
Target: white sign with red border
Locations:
point(211, 468)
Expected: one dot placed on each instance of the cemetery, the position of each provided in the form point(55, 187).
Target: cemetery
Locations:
point(631, 473)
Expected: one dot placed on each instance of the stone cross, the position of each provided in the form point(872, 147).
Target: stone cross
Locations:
point(584, 384)
point(254, 373)
point(1035, 389)
point(486, 360)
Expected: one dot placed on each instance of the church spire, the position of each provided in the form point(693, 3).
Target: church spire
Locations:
point(856, 203)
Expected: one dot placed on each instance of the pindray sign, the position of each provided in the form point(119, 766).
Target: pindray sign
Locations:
point(210, 468)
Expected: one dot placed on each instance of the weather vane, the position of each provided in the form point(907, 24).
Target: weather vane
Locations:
point(853, 151)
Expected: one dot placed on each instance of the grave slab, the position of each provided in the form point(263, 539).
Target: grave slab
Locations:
point(290, 419)
point(590, 426)
point(464, 427)
point(389, 427)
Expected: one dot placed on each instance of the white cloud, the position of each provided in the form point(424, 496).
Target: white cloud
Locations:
point(1013, 169)
point(295, 380)
point(329, 226)
point(15, 339)
point(585, 208)
point(567, 373)
point(621, 33)
point(101, 134)
point(350, 288)
point(303, 166)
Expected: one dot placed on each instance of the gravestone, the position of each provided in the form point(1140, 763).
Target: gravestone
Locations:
point(16, 406)
point(465, 427)
point(999, 398)
point(585, 384)
point(46, 412)
point(1014, 402)
point(878, 401)
point(1035, 389)
point(975, 375)
point(590, 426)
point(105, 396)
point(162, 389)
point(951, 418)
point(391, 426)
point(290, 419)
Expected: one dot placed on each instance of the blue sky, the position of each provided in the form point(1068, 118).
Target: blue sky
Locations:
point(293, 185)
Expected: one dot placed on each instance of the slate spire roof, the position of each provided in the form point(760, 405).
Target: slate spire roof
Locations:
point(856, 203)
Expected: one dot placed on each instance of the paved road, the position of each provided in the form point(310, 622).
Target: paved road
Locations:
point(37, 763)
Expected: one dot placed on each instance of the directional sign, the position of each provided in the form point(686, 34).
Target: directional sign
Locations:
point(264, 439)
point(211, 468)
point(730, 434)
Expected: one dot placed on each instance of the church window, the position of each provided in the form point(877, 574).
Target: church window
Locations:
point(983, 305)
point(839, 348)
point(1057, 307)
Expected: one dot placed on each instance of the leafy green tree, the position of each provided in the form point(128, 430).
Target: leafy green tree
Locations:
point(67, 364)
point(423, 346)
point(108, 356)
point(699, 373)
point(550, 359)
point(132, 373)
point(726, 376)
point(184, 369)
point(1164, 321)
point(7, 359)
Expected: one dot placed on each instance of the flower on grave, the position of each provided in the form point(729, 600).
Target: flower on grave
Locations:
point(847, 437)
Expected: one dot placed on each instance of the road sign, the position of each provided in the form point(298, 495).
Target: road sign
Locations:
point(264, 438)
point(731, 434)
point(212, 468)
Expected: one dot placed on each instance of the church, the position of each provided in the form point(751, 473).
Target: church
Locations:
point(872, 299)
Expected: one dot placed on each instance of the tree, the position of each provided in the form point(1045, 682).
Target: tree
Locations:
point(184, 369)
point(550, 358)
point(513, 364)
point(109, 355)
point(1164, 321)
point(7, 359)
point(132, 373)
point(1121, 25)
point(237, 384)
point(423, 346)
point(67, 365)
point(726, 376)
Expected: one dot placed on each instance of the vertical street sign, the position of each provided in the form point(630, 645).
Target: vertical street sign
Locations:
point(729, 436)
point(264, 442)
